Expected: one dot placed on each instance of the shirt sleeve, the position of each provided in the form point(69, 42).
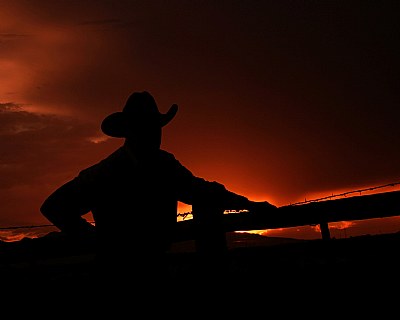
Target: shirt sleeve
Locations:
point(198, 191)
point(66, 206)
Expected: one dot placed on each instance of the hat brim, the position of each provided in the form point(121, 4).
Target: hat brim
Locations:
point(116, 124)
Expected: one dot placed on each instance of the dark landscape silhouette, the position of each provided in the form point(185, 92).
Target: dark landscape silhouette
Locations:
point(252, 260)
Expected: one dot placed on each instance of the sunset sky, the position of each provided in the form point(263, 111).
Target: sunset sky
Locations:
point(278, 100)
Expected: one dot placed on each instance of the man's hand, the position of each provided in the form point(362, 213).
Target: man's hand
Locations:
point(261, 207)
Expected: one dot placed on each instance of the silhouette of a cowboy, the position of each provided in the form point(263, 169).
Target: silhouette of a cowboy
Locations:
point(133, 193)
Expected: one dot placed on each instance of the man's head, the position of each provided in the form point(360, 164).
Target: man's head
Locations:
point(140, 121)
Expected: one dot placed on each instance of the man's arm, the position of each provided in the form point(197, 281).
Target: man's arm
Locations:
point(195, 190)
point(215, 194)
point(65, 208)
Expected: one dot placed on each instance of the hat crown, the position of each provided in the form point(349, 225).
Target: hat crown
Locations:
point(141, 105)
point(140, 111)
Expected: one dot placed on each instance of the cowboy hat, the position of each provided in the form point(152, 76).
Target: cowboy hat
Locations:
point(140, 110)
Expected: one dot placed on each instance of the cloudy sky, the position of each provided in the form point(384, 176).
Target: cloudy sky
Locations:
point(278, 100)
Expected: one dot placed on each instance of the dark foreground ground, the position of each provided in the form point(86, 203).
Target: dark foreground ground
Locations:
point(54, 257)
point(253, 265)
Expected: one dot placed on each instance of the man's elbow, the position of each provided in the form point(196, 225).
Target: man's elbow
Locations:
point(47, 209)
point(53, 213)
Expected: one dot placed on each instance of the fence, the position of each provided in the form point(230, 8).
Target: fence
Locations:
point(209, 226)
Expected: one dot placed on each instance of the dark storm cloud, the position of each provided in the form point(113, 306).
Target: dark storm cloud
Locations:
point(11, 44)
point(104, 25)
point(35, 145)
point(101, 22)
point(11, 36)
point(9, 107)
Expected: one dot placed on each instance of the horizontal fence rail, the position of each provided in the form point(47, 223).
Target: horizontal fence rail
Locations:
point(209, 224)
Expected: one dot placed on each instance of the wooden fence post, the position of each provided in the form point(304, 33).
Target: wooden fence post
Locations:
point(324, 227)
point(210, 237)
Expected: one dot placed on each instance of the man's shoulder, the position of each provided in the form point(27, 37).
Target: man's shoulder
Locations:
point(169, 158)
point(114, 160)
point(166, 155)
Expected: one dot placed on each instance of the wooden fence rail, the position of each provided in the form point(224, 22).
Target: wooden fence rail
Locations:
point(208, 226)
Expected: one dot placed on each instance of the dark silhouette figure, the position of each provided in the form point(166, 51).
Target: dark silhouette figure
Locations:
point(133, 196)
